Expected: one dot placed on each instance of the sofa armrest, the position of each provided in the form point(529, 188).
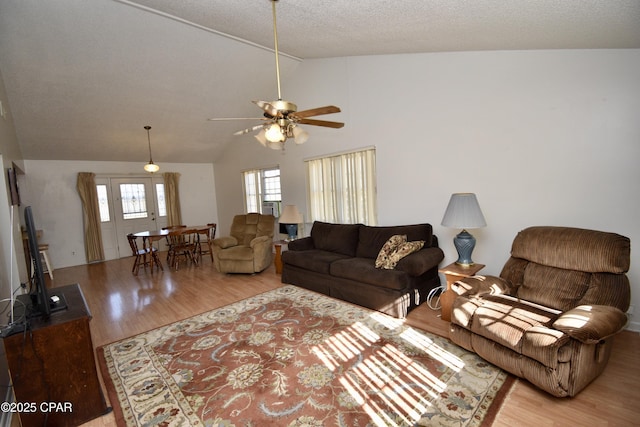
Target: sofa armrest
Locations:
point(302, 244)
point(260, 241)
point(262, 247)
point(418, 263)
point(591, 324)
point(482, 285)
point(225, 242)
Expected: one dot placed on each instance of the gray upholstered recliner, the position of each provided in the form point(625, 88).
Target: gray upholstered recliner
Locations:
point(248, 249)
point(551, 315)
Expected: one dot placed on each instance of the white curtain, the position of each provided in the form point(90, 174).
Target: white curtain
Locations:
point(342, 188)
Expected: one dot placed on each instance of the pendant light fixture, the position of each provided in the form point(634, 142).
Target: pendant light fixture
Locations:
point(150, 167)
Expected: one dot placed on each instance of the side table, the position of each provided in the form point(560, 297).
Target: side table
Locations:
point(278, 258)
point(452, 273)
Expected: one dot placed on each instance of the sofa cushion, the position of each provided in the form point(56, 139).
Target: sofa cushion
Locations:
point(340, 238)
point(241, 253)
point(421, 262)
point(388, 249)
point(555, 246)
point(314, 259)
point(518, 325)
point(363, 270)
point(371, 239)
point(247, 227)
point(553, 287)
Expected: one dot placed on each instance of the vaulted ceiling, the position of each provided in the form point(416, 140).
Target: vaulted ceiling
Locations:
point(83, 77)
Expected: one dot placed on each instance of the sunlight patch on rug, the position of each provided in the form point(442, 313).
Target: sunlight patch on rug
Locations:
point(291, 357)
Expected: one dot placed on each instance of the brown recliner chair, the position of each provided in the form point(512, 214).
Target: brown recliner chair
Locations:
point(248, 249)
point(551, 315)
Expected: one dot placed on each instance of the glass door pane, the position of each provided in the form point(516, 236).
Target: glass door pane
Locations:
point(133, 209)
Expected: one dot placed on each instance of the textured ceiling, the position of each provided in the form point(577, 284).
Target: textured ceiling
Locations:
point(329, 28)
point(84, 77)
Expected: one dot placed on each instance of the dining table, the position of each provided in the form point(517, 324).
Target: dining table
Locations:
point(150, 236)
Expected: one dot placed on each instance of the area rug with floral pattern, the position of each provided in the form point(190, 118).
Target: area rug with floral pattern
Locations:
point(292, 357)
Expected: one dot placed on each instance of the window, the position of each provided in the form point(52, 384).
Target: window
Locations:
point(103, 203)
point(342, 188)
point(261, 185)
point(162, 206)
point(134, 202)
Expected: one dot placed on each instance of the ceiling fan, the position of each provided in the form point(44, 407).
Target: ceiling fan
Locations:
point(281, 120)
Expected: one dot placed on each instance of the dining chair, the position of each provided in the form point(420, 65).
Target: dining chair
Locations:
point(170, 251)
point(43, 250)
point(141, 255)
point(183, 244)
point(205, 237)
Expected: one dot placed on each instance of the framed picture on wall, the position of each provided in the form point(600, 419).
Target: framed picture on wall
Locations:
point(13, 187)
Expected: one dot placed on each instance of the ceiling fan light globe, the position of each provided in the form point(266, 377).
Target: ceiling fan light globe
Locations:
point(275, 145)
point(260, 136)
point(274, 133)
point(300, 136)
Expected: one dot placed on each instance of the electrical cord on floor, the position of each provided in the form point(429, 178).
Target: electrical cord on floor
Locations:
point(13, 325)
point(433, 298)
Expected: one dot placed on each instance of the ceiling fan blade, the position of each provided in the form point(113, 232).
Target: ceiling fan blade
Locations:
point(312, 122)
point(247, 130)
point(329, 109)
point(267, 107)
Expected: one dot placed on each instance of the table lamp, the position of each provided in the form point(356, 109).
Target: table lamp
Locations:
point(291, 217)
point(464, 212)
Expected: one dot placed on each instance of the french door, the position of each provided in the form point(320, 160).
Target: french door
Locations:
point(135, 204)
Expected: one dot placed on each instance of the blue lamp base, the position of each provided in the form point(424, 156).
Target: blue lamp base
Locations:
point(292, 231)
point(464, 243)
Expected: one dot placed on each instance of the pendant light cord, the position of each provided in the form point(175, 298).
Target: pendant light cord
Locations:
point(149, 139)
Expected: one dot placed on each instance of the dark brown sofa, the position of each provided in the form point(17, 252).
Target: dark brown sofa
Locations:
point(551, 315)
point(339, 260)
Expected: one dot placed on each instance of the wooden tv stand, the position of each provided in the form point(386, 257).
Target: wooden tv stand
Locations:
point(53, 368)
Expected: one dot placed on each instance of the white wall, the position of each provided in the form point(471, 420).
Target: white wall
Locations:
point(542, 138)
point(50, 188)
point(12, 263)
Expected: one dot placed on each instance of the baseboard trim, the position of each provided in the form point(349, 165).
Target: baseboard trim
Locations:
point(633, 326)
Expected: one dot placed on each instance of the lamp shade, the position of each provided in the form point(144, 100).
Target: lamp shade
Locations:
point(463, 211)
point(290, 215)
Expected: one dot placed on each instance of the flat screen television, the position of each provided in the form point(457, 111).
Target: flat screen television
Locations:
point(40, 302)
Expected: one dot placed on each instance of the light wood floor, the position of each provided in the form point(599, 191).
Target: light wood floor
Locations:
point(123, 305)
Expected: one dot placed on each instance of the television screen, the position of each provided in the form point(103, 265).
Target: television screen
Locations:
point(283, 229)
point(42, 304)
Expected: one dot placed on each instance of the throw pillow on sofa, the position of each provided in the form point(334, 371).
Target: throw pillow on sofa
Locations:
point(389, 249)
point(395, 249)
point(403, 250)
